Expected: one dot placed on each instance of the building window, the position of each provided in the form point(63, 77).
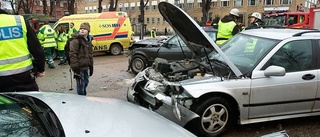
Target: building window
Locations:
point(214, 3)
point(120, 9)
point(225, 3)
point(38, 11)
point(132, 8)
point(148, 21)
point(152, 20)
point(163, 20)
point(285, 2)
point(126, 8)
point(238, 3)
point(158, 20)
point(181, 5)
point(199, 4)
point(190, 5)
point(268, 2)
point(37, 2)
point(252, 2)
point(86, 11)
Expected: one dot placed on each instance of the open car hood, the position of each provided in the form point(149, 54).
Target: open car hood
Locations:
point(191, 33)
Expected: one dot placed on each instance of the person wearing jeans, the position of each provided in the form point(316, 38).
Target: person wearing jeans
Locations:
point(81, 57)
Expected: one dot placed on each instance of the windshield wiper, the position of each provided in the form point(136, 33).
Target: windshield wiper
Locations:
point(41, 113)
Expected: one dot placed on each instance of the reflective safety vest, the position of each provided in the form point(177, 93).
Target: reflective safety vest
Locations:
point(224, 31)
point(15, 57)
point(71, 32)
point(47, 36)
point(153, 34)
point(62, 40)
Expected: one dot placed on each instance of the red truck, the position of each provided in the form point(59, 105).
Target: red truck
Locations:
point(295, 19)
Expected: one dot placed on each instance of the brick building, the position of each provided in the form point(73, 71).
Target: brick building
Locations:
point(219, 8)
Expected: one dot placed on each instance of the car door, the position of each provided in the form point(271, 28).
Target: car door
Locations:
point(172, 50)
point(293, 93)
point(316, 107)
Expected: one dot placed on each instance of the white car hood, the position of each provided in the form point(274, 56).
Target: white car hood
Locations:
point(106, 117)
point(191, 33)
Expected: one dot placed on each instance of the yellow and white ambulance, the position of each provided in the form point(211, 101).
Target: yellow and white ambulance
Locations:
point(111, 31)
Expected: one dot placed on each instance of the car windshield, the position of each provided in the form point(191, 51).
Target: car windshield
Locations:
point(18, 119)
point(279, 20)
point(245, 51)
point(212, 35)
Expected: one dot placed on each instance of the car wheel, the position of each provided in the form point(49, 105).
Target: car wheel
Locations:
point(115, 49)
point(216, 116)
point(138, 63)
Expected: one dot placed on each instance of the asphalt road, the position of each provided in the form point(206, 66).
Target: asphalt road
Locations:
point(110, 79)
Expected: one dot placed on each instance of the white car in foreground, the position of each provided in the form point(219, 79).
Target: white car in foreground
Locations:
point(46, 114)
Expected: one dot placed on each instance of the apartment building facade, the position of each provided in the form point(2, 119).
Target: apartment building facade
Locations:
point(219, 8)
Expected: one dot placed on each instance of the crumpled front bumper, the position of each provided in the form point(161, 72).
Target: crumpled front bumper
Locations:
point(158, 102)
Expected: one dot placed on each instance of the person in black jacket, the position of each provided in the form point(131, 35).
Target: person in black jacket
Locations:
point(21, 55)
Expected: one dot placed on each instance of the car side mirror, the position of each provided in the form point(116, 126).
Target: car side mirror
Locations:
point(274, 71)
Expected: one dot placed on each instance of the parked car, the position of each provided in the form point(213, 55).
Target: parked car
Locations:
point(149, 42)
point(258, 75)
point(40, 114)
point(173, 49)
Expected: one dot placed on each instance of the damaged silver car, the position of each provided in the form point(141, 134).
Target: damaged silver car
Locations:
point(258, 75)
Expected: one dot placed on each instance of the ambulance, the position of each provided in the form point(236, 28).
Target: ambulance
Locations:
point(111, 31)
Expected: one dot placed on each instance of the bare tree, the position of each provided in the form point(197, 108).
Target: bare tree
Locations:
point(44, 4)
point(113, 5)
point(71, 6)
point(100, 6)
point(53, 4)
point(25, 5)
point(205, 10)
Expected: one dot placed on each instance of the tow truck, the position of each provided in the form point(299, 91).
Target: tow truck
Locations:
point(295, 19)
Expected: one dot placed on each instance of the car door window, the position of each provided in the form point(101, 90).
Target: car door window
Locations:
point(175, 42)
point(294, 56)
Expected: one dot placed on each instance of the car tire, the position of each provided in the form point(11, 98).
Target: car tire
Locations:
point(138, 63)
point(115, 49)
point(217, 115)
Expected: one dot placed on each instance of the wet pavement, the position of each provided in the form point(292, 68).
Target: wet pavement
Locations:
point(109, 79)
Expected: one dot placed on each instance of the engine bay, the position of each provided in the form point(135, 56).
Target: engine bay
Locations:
point(185, 69)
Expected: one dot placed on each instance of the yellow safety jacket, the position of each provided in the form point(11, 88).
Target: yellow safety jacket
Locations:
point(71, 32)
point(153, 34)
point(62, 40)
point(47, 36)
point(224, 31)
point(15, 57)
